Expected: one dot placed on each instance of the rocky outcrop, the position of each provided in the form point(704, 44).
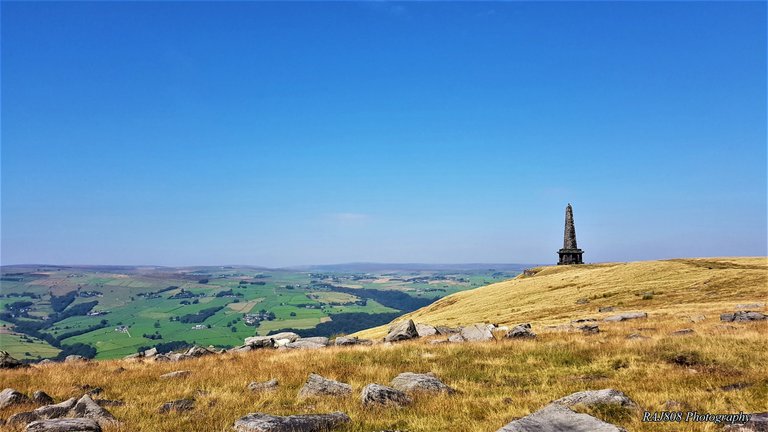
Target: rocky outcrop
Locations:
point(256, 386)
point(259, 422)
point(8, 362)
point(64, 425)
point(75, 359)
point(259, 342)
point(42, 398)
point(476, 333)
point(558, 418)
point(176, 374)
point(180, 405)
point(57, 410)
point(317, 385)
point(521, 331)
point(446, 331)
point(456, 338)
point(290, 336)
point(345, 341)
point(376, 394)
point(597, 397)
point(626, 316)
point(743, 316)
point(425, 330)
point(198, 351)
point(308, 343)
point(414, 382)
point(88, 408)
point(10, 397)
point(402, 331)
point(23, 418)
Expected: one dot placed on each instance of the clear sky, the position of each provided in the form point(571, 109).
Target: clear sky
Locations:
point(304, 133)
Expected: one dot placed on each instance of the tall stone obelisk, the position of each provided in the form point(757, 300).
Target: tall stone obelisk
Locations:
point(570, 253)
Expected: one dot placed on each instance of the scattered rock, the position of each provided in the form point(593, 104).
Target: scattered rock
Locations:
point(180, 405)
point(743, 316)
point(176, 374)
point(521, 331)
point(8, 362)
point(23, 418)
point(425, 330)
point(589, 328)
point(605, 309)
point(259, 422)
point(445, 330)
point(344, 341)
point(307, 343)
point(256, 386)
point(64, 425)
point(42, 398)
point(557, 418)
point(750, 306)
point(402, 331)
point(456, 338)
point(57, 410)
point(317, 385)
point(292, 337)
point(161, 358)
point(682, 332)
point(177, 357)
point(88, 408)
point(259, 342)
point(627, 316)
point(109, 402)
point(198, 351)
point(322, 340)
point(10, 397)
point(583, 320)
point(411, 382)
point(476, 333)
point(595, 397)
point(383, 395)
point(74, 358)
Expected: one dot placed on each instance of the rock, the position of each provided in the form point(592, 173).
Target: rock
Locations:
point(589, 328)
point(743, 316)
point(75, 359)
point(682, 332)
point(161, 358)
point(410, 382)
point(256, 386)
point(109, 402)
point(64, 425)
point(583, 320)
point(627, 316)
point(557, 418)
point(383, 395)
point(259, 422)
point(180, 405)
point(176, 374)
point(476, 333)
point(285, 335)
point(758, 422)
point(177, 357)
point(8, 362)
point(425, 330)
point(322, 340)
point(750, 306)
point(605, 309)
point(57, 410)
point(402, 331)
point(456, 338)
point(259, 342)
point(344, 341)
point(445, 331)
point(521, 331)
point(45, 362)
point(597, 397)
point(150, 352)
point(305, 344)
point(23, 418)
point(88, 408)
point(317, 385)
point(42, 398)
point(198, 351)
point(637, 336)
point(281, 342)
point(241, 348)
point(10, 397)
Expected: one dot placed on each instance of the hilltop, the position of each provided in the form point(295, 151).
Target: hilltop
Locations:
point(554, 295)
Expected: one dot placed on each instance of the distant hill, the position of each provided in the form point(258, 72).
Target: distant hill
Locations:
point(379, 267)
point(557, 294)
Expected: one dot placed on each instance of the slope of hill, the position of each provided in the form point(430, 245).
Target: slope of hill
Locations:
point(557, 294)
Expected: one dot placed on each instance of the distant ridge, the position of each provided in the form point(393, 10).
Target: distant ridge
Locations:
point(363, 266)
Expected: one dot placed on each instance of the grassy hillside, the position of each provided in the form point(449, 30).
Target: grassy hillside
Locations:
point(671, 288)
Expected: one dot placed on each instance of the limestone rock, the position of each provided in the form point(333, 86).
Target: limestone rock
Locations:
point(412, 382)
point(476, 333)
point(425, 330)
point(259, 422)
point(402, 331)
point(521, 331)
point(10, 397)
point(57, 410)
point(180, 405)
point(344, 340)
point(597, 397)
point(743, 316)
point(256, 386)
point(8, 362)
point(42, 398)
point(557, 418)
point(176, 374)
point(88, 408)
point(75, 359)
point(626, 316)
point(317, 385)
point(383, 395)
point(64, 425)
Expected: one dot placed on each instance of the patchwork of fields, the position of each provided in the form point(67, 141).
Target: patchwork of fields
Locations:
point(110, 312)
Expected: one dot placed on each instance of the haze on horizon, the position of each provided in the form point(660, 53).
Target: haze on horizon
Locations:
point(279, 134)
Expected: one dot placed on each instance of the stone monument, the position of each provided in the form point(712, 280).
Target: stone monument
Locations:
point(570, 253)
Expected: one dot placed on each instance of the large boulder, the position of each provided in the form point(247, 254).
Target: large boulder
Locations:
point(259, 342)
point(402, 331)
point(743, 316)
point(521, 331)
point(256, 386)
point(25, 417)
point(317, 385)
point(285, 335)
point(198, 351)
point(446, 331)
point(456, 338)
point(57, 410)
point(259, 422)
point(345, 340)
point(305, 344)
point(597, 397)
point(376, 394)
point(322, 340)
point(476, 333)
point(64, 425)
point(150, 352)
point(42, 398)
point(558, 418)
point(425, 330)
point(10, 397)
point(88, 408)
point(414, 382)
point(626, 316)
point(8, 362)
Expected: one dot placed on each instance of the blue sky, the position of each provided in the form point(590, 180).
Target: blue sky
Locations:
point(295, 133)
